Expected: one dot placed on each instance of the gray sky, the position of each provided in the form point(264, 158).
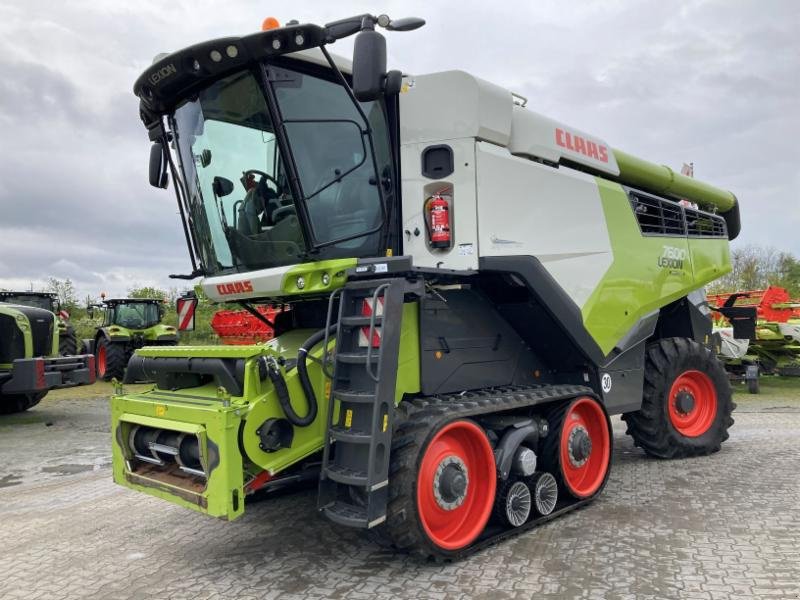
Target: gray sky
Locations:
point(713, 82)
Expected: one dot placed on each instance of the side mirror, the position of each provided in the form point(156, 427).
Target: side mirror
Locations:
point(186, 306)
point(369, 65)
point(158, 166)
point(221, 186)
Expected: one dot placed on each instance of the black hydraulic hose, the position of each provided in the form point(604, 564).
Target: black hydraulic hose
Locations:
point(305, 383)
point(282, 390)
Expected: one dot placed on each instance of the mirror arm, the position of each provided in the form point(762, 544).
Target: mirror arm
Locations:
point(193, 275)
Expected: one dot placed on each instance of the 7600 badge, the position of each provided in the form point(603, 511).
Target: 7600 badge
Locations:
point(672, 257)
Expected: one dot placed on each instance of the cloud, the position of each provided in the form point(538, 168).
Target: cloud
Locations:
point(712, 82)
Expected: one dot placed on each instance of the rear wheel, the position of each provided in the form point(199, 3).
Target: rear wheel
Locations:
point(109, 359)
point(68, 343)
point(687, 405)
point(442, 489)
point(14, 403)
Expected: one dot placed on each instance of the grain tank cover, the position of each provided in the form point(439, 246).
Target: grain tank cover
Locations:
point(536, 136)
point(452, 105)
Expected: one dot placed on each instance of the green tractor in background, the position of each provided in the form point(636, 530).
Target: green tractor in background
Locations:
point(29, 361)
point(67, 339)
point(128, 324)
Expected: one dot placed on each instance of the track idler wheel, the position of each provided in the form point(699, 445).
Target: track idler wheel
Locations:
point(513, 503)
point(545, 492)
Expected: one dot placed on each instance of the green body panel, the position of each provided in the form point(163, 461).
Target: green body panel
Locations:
point(312, 274)
point(150, 334)
point(663, 180)
point(230, 422)
point(202, 414)
point(645, 275)
point(24, 326)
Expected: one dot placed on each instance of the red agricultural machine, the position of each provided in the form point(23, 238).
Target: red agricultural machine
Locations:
point(241, 328)
point(762, 326)
point(772, 304)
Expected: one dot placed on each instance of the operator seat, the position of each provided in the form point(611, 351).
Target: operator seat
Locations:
point(247, 220)
point(357, 208)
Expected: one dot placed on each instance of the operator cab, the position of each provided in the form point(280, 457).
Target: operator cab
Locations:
point(133, 313)
point(43, 300)
point(281, 153)
point(236, 177)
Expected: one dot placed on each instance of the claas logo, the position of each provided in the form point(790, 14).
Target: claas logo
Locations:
point(237, 287)
point(576, 143)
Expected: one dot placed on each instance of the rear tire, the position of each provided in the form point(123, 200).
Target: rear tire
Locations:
point(15, 403)
point(687, 405)
point(68, 343)
point(110, 359)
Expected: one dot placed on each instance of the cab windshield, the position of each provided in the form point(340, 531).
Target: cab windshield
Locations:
point(237, 173)
point(33, 300)
point(139, 315)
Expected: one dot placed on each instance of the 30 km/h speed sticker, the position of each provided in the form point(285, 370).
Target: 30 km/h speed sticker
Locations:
point(605, 383)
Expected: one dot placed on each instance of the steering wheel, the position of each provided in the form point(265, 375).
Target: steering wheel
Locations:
point(267, 176)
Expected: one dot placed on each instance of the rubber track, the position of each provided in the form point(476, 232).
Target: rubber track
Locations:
point(414, 422)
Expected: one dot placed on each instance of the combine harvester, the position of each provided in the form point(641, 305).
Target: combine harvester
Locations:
point(474, 289)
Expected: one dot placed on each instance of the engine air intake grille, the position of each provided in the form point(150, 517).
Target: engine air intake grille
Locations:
point(705, 224)
point(657, 216)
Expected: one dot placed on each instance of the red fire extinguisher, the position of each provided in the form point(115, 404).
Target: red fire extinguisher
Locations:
point(438, 217)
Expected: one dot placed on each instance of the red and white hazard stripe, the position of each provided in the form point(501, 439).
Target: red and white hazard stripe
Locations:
point(186, 308)
point(367, 308)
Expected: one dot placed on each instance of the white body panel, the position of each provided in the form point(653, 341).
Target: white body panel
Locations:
point(536, 136)
point(454, 104)
point(505, 201)
point(451, 105)
point(731, 347)
point(242, 286)
point(416, 188)
point(556, 215)
point(790, 330)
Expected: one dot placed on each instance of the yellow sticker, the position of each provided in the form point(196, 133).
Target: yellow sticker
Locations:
point(328, 388)
point(385, 422)
point(389, 252)
point(348, 418)
point(161, 410)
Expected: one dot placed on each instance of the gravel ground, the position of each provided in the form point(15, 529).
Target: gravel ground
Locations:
point(724, 526)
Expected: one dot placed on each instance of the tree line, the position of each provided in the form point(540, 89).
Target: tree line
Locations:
point(756, 267)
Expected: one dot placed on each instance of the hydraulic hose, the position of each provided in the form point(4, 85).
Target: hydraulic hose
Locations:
point(305, 383)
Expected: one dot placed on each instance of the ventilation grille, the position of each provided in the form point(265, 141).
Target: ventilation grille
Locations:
point(704, 224)
point(657, 216)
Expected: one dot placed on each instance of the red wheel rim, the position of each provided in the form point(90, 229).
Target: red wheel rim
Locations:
point(583, 477)
point(692, 403)
point(457, 527)
point(101, 361)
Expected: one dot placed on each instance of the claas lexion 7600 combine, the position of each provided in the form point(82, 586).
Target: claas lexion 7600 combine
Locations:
point(471, 290)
